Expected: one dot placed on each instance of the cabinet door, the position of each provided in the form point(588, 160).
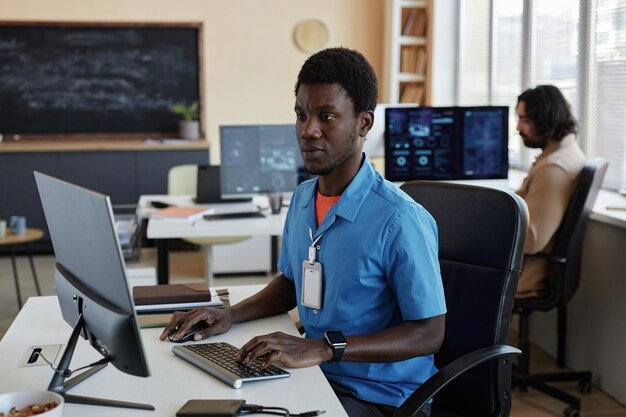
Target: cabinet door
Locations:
point(111, 173)
point(18, 191)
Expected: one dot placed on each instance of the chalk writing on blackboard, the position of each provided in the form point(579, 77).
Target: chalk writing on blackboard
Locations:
point(91, 79)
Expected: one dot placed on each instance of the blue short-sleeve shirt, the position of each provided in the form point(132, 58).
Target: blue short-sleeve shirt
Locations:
point(379, 255)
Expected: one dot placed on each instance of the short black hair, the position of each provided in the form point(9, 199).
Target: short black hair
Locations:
point(549, 111)
point(345, 67)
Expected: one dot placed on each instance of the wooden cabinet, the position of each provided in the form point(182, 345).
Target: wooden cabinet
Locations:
point(408, 41)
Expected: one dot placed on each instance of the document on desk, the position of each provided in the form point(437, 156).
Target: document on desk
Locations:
point(189, 214)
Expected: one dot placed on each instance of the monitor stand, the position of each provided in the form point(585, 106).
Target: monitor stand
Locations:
point(60, 386)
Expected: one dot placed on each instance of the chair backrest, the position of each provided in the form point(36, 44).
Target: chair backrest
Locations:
point(571, 233)
point(481, 240)
point(182, 179)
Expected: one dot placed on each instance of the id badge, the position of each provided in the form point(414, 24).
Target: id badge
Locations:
point(311, 285)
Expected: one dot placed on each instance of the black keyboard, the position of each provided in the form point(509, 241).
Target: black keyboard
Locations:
point(218, 359)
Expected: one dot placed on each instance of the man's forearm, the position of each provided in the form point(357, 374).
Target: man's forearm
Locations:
point(404, 341)
point(277, 297)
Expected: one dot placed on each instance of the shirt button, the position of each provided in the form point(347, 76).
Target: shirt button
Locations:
point(314, 311)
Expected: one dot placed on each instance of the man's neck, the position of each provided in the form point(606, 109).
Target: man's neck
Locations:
point(334, 184)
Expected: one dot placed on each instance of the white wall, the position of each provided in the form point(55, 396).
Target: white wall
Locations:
point(250, 60)
point(445, 46)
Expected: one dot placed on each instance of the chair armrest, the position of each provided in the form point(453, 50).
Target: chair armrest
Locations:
point(449, 373)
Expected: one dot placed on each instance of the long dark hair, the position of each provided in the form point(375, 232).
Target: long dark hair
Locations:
point(547, 108)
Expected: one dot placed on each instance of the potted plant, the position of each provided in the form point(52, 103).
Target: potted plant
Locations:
point(189, 126)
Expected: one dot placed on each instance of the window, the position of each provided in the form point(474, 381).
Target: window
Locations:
point(579, 46)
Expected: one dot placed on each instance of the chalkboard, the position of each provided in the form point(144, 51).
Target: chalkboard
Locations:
point(96, 78)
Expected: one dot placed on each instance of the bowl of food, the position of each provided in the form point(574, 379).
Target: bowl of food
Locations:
point(31, 403)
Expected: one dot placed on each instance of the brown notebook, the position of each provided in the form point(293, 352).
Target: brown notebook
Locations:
point(172, 293)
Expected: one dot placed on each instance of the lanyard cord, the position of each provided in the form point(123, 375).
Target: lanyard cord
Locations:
point(312, 250)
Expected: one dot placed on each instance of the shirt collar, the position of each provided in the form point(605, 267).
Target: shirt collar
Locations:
point(554, 146)
point(353, 196)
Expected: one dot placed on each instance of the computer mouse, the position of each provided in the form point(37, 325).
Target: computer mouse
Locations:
point(190, 333)
point(159, 204)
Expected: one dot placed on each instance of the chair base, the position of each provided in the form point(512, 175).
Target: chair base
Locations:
point(540, 382)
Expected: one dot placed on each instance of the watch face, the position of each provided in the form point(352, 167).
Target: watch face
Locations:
point(335, 337)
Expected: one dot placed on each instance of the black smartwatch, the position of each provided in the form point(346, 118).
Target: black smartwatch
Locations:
point(338, 344)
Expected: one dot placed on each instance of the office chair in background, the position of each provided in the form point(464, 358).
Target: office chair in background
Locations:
point(481, 244)
point(182, 179)
point(563, 279)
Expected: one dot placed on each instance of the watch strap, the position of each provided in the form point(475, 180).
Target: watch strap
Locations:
point(338, 349)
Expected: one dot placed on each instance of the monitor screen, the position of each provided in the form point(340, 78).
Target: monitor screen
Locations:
point(258, 159)
point(374, 145)
point(446, 143)
point(90, 275)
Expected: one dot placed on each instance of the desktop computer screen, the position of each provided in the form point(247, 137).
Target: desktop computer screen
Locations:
point(258, 159)
point(90, 282)
point(446, 143)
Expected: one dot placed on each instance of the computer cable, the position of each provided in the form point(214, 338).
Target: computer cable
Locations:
point(248, 409)
point(68, 373)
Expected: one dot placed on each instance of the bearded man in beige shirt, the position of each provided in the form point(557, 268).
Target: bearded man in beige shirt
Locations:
point(546, 122)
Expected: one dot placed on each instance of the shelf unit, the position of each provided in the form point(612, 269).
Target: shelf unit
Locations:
point(408, 40)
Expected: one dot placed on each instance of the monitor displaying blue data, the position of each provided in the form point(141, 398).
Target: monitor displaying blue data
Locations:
point(446, 143)
point(257, 159)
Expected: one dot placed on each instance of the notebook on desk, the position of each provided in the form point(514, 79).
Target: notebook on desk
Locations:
point(208, 187)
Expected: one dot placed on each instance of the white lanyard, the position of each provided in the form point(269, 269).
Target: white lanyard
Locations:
point(312, 250)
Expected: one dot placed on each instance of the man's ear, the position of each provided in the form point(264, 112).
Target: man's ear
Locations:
point(366, 121)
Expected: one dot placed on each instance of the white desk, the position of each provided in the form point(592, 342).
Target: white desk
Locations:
point(163, 229)
point(172, 381)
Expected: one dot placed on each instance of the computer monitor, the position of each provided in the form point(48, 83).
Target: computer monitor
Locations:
point(374, 145)
point(259, 158)
point(91, 286)
point(446, 143)
point(208, 187)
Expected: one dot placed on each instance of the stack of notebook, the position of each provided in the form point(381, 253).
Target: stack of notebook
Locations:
point(176, 297)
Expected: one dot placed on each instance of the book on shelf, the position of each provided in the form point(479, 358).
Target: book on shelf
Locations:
point(408, 59)
point(409, 22)
point(181, 213)
point(172, 297)
point(420, 25)
point(412, 93)
point(420, 61)
point(415, 23)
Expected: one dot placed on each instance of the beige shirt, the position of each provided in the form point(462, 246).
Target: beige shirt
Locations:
point(547, 191)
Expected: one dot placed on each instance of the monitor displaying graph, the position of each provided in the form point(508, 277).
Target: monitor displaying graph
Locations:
point(446, 143)
point(257, 159)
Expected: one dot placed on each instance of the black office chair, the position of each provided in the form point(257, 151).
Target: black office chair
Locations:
point(563, 279)
point(481, 243)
